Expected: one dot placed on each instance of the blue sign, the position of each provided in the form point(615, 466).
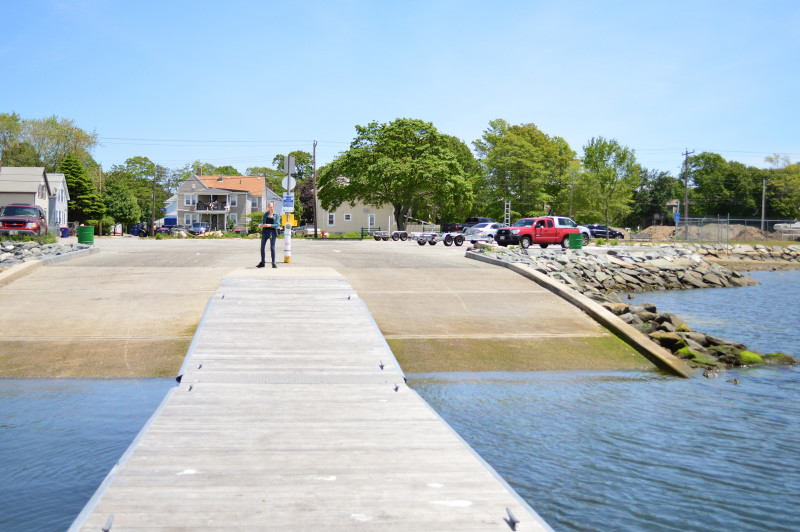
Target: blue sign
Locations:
point(288, 202)
point(677, 216)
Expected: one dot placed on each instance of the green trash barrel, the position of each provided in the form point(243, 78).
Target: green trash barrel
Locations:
point(86, 235)
point(575, 241)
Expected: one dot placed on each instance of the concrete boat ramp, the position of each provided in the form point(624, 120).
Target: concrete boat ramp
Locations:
point(285, 420)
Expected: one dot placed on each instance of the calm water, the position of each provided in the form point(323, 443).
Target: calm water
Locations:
point(59, 439)
point(588, 450)
point(643, 451)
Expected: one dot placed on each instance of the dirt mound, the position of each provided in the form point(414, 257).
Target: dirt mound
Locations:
point(713, 233)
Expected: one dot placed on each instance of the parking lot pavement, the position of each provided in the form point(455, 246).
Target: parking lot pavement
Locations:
point(131, 309)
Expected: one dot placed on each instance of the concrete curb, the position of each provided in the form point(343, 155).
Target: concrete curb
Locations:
point(24, 268)
point(630, 335)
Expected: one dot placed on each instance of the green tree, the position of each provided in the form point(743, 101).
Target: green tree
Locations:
point(406, 164)
point(55, 137)
point(523, 164)
point(649, 205)
point(10, 129)
point(723, 187)
point(783, 188)
point(121, 204)
point(84, 203)
point(610, 176)
point(20, 154)
point(137, 175)
point(226, 170)
point(303, 164)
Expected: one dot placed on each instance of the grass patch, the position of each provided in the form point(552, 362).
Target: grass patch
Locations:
point(41, 239)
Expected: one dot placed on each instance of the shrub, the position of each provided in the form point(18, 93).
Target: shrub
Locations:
point(614, 242)
point(600, 242)
point(46, 238)
point(352, 235)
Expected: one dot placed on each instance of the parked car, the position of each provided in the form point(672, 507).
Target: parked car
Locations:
point(175, 229)
point(562, 221)
point(469, 222)
point(542, 231)
point(20, 219)
point(483, 229)
point(601, 231)
point(198, 228)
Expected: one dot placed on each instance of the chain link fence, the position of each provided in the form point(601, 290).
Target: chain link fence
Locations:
point(725, 230)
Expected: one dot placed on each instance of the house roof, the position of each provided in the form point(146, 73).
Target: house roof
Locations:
point(58, 179)
point(23, 179)
point(252, 184)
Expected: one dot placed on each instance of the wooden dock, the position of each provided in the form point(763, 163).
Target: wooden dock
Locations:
point(285, 420)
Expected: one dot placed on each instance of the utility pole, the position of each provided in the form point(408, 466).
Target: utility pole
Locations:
point(153, 212)
point(314, 178)
point(763, 200)
point(686, 155)
point(100, 187)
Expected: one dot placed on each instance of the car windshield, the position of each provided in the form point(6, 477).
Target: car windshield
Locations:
point(480, 226)
point(523, 223)
point(19, 211)
point(197, 224)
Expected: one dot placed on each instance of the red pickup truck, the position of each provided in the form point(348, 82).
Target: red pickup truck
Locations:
point(543, 231)
point(22, 220)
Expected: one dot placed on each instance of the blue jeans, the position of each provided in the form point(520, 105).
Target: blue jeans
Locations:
point(268, 235)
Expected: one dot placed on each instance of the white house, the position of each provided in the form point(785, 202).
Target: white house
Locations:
point(57, 217)
point(26, 185)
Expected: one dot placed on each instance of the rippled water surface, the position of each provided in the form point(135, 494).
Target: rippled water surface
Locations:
point(59, 439)
point(643, 451)
point(635, 450)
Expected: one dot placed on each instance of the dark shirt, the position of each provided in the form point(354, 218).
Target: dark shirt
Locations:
point(273, 220)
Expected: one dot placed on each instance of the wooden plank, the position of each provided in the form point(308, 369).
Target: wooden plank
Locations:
point(293, 425)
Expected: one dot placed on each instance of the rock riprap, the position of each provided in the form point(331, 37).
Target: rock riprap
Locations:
point(13, 252)
point(600, 275)
point(591, 271)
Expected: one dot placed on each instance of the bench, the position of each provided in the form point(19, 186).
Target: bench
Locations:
point(641, 237)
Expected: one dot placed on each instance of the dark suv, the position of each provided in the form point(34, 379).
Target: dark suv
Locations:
point(22, 220)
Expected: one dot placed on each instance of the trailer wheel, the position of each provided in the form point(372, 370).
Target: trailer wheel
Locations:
point(377, 238)
point(448, 240)
point(543, 245)
point(403, 236)
point(421, 242)
point(385, 238)
point(459, 240)
point(395, 237)
point(432, 242)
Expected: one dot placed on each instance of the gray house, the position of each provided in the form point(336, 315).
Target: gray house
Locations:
point(27, 185)
point(220, 199)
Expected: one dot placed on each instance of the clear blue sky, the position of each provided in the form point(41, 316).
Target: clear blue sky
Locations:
point(237, 82)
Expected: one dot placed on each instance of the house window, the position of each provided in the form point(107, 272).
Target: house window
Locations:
point(348, 217)
point(190, 218)
point(234, 199)
point(371, 220)
point(331, 218)
point(254, 204)
point(190, 199)
point(234, 218)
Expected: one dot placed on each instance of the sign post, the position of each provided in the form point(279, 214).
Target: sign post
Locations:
point(288, 183)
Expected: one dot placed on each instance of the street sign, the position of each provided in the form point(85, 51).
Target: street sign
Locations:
point(288, 202)
point(677, 216)
point(289, 182)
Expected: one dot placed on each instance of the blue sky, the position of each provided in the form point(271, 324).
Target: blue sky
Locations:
point(237, 82)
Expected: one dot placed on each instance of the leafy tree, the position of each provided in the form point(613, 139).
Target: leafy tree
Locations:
point(55, 137)
point(610, 176)
point(10, 129)
point(649, 206)
point(84, 203)
point(303, 164)
point(121, 204)
point(273, 177)
point(226, 170)
point(783, 188)
point(723, 187)
point(457, 212)
point(20, 154)
point(524, 165)
point(137, 175)
point(406, 163)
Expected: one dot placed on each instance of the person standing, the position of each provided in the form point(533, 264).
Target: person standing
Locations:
point(269, 231)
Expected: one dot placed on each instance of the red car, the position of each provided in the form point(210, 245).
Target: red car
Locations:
point(22, 220)
point(543, 231)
